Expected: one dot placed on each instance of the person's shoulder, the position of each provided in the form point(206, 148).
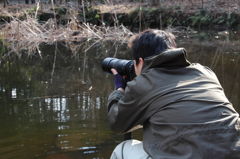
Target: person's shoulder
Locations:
point(207, 71)
point(140, 83)
point(201, 67)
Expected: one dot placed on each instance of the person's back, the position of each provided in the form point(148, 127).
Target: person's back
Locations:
point(182, 106)
point(188, 115)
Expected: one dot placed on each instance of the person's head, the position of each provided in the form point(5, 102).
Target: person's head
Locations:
point(148, 43)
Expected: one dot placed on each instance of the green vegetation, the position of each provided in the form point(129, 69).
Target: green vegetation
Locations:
point(160, 17)
point(4, 19)
point(143, 16)
point(2, 46)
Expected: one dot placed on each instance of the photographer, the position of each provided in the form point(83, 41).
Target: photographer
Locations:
point(181, 105)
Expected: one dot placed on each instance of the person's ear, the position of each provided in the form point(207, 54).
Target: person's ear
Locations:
point(141, 61)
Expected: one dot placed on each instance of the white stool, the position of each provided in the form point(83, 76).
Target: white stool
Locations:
point(130, 149)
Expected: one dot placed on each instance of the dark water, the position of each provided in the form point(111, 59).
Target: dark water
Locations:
point(55, 107)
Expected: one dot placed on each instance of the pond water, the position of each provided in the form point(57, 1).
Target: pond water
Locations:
point(55, 107)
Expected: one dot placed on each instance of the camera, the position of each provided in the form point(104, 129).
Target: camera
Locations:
point(123, 67)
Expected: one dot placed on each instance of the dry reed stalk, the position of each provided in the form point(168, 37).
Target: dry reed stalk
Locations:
point(28, 34)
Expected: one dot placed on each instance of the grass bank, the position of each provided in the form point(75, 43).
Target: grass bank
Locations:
point(24, 27)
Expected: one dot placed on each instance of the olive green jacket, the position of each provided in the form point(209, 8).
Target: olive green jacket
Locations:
point(182, 107)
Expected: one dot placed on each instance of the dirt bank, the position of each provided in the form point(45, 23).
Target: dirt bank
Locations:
point(198, 14)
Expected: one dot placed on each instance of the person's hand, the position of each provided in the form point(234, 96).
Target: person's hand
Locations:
point(119, 81)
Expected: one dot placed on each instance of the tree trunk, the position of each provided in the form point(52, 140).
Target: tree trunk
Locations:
point(5, 3)
point(50, 1)
point(154, 2)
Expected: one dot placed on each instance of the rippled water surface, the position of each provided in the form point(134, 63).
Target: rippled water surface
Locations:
point(55, 107)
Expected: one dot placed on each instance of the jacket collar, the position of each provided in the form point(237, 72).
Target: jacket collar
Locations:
point(171, 58)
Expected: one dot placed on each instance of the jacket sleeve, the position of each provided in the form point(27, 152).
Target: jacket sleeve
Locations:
point(126, 110)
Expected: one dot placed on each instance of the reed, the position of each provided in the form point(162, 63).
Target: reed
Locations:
point(28, 34)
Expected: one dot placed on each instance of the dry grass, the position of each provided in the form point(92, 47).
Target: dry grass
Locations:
point(28, 34)
point(117, 8)
point(210, 5)
point(185, 5)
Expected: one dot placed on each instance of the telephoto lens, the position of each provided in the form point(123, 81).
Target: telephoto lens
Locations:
point(123, 67)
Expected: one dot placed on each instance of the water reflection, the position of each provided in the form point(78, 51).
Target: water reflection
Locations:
point(224, 58)
point(55, 107)
point(48, 113)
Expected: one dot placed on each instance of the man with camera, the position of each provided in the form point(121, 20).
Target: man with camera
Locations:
point(181, 105)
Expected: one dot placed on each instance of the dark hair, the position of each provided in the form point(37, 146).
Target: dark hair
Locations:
point(151, 42)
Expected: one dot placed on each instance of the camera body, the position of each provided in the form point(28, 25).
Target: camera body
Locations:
point(123, 67)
